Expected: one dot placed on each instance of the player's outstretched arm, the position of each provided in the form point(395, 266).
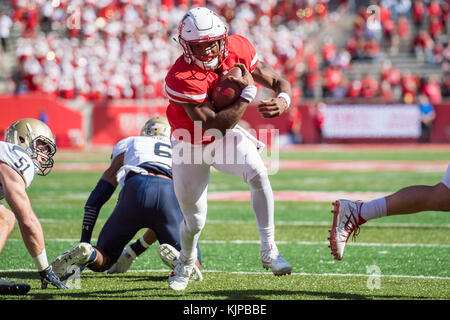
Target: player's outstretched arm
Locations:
point(16, 196)
point(266, 76)
point(99, 196)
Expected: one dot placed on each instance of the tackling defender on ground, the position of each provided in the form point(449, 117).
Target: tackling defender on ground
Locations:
point(142, 167)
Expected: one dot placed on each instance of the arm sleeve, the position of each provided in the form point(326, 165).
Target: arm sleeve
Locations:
point(98, 197)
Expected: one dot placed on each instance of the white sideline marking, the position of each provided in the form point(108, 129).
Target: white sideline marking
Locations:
point(329, 223)
point(307, 243)
point(306, 223)
point(268, 272)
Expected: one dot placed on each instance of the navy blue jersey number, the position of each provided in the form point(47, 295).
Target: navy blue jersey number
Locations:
point(22, 164)
point(163, 150)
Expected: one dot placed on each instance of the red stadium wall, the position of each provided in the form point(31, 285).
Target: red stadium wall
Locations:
point(113, 121)
point(65, 123)
point(441, 125)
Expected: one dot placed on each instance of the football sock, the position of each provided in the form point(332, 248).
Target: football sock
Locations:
point(92, 257)
point(263, 207)
point(373, 209)
point(188, 243)
point(139, 246)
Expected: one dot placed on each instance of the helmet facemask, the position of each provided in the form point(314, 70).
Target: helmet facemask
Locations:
point(41, 151)
point(210, 61)
point(199, 26)
point(36, 139)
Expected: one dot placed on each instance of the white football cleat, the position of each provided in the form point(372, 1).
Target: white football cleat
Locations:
point(346, 216)
point(78, 255)
point(124, 262)
point(169, 255)
point(179, 277)
point(271, 259)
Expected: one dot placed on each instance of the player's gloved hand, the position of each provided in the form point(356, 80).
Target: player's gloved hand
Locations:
point(48, 276)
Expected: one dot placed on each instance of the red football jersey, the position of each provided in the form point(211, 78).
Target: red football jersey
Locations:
point(188, 83)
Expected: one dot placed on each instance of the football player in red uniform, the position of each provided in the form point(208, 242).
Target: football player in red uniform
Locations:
point(203, 136)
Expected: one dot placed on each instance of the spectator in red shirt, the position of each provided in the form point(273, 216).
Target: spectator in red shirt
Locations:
point(331, 79)
point(294, 124)
point(435, 28)
point(390, 74)
point(431, 88)
point(371, 49)
point(329, 52)
point(354, 90)
point(434, 9)
point(312, 83)
point(369, 87)
point(321, 10)
point(386, 92)
point(403, 27)
point(410, 85)
point(351, 46)
point(423, 46)
point(418, 12)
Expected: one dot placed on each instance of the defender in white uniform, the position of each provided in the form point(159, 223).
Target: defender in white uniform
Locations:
point(28, 149)
point(142, 166)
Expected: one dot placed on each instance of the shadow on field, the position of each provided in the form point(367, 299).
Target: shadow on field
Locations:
point(294, 295)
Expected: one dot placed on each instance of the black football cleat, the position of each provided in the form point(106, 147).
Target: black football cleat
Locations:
point(13, 288)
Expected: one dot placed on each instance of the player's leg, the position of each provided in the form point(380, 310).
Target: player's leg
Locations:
point(190, 181)
point(166, 223)
point(7, 221)
point(415, 199)
point(411, 199)
point(136, 201)
point(130, 253)
point(115, 234)
point(248, 165)
point(349, 215)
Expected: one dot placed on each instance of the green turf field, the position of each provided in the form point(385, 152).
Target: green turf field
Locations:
point(401, 257)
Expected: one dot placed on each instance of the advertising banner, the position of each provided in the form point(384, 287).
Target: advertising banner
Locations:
point(371, 121)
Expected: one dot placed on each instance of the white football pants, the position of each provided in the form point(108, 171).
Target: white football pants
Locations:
point(235, 154)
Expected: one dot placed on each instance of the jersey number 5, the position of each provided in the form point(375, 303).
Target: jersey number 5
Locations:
point(21, 164)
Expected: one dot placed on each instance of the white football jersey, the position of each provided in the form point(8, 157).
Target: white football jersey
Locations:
point(19, 160)
point(155, 150)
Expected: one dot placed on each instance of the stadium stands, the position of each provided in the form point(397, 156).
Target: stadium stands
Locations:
point(122, 49)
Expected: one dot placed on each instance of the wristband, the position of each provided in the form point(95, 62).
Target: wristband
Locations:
point(249, 93)
point(286, 97)
point(41, 261)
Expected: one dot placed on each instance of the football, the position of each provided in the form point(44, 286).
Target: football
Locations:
point(226, 90)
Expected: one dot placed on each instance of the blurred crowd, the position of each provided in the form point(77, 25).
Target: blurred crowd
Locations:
point(420, 26)
point(122, 49)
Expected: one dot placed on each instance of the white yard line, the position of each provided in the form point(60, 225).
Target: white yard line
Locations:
point(268, 272)
point(306, 243)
